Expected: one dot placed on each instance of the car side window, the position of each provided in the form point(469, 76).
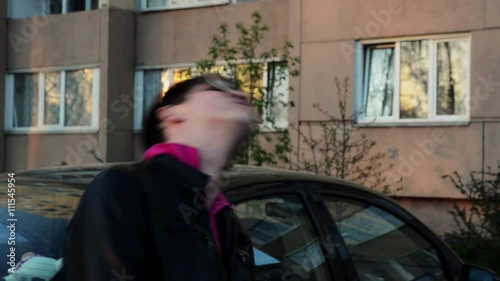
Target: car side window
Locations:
point(382, 247)
point(286, 246)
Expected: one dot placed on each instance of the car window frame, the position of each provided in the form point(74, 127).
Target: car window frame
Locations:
point(450, 262)
point(308, 193)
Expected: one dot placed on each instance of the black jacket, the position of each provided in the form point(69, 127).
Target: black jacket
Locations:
point(148, 222)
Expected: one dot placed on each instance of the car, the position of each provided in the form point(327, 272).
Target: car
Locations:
point(303, 226)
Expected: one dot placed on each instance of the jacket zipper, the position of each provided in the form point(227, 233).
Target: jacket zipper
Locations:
point(245, 256)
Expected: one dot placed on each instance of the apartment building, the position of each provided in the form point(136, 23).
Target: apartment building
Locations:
point(77, 75)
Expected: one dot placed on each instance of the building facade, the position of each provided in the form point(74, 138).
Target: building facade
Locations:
point(77, 75)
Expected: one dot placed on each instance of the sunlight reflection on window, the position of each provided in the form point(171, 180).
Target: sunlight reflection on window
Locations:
point(248, 85)
point(165, 81)
point(414, 79)
point(78, 98)
point(452, 77)
point(181, 75)
point(52, 98)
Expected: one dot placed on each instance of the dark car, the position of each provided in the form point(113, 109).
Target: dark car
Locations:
point(303, 226)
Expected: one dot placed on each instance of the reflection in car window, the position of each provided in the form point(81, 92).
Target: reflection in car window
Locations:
point(286, 246)
point(42, 210)
point(382, 247)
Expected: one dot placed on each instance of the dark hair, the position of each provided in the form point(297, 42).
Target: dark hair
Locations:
point(152, 133)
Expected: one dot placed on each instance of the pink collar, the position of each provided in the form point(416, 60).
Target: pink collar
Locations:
point(184, 153)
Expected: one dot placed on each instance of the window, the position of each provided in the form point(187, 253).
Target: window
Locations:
point(383, 247)
point(414, 81)
point(277, 95)
point(151, 83)
point(52, 100)
point(30, 8)
point(286, 246)
point(154, 5)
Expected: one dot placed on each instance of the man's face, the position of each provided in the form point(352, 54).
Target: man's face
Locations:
point(213, 107)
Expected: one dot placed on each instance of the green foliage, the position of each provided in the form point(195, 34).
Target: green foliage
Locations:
point(477, 235)
point(340, 150)
point(241, 62)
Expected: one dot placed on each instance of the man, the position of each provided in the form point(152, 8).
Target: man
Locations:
point(165, 218)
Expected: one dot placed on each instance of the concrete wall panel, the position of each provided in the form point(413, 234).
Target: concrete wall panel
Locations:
point(321, 63)
point(423, 155)
point(35, 151)
point(121, 69)
point(336, 20)
point(184, 36)
point(138, 148)
point(120, 60)
point(420, 156)
point(492, 17)
point(485, 74)
point(491, 145)
point(120, 4)
point(120, 146)
point(440, 221)
point(103, 52)
point(57, 40)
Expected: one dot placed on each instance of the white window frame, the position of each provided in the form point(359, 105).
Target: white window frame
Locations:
point(45, 6)
point(41, 127)
point(268, 126)
point(139, 81)
point(433, 119)
point(170, 6)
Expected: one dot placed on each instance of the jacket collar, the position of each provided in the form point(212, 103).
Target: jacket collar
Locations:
point(191, 178)
point(185, 153)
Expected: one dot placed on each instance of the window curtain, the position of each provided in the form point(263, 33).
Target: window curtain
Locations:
point(52, 102)
point(153, 87)
point(380, 96)
point(26, 100)
point(78, 98)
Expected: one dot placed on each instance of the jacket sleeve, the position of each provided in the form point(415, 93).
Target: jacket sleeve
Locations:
point(105, 239)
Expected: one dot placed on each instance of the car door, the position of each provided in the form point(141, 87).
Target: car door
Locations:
point(385, 242)
point(285, 234)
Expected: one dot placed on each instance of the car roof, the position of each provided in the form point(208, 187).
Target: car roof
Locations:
point(67, 184)
point(239, 175)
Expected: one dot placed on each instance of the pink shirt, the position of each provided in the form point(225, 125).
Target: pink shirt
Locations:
point(190, 156)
